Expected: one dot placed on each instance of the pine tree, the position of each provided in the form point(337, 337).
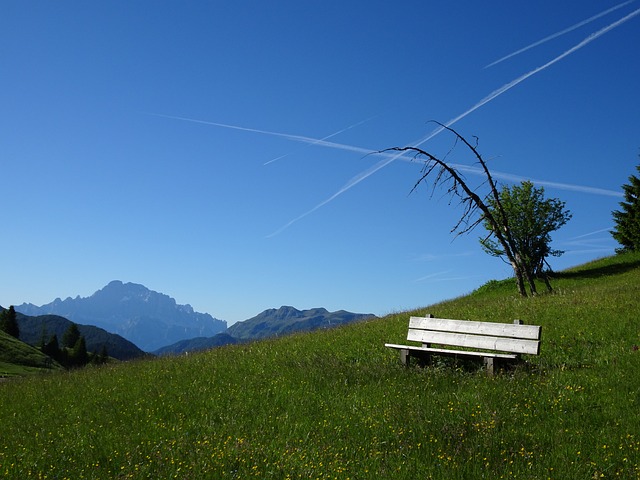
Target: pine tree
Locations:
point(43, 338)
point(9, 322)
point(71, 336)
point(79, 355)
point(52, 348)
point(104, 355)
point(627, 219)
point(3, 319)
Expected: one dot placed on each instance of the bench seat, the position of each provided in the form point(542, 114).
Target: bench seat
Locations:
point(444, 351)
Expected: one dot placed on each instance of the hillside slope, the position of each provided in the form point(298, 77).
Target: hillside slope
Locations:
point(18, 358)
point(197, 344)
point(337, 404)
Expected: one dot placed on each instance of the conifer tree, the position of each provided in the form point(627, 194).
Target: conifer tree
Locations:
point(104, 355)
point(627, 219)
point(9, 322)
point(71, 336)
point(52, 348)
point(43, 338)
point(79, 355)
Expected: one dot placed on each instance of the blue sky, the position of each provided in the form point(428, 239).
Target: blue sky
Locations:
point(119, 160)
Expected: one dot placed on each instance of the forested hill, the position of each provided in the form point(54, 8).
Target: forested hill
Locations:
point(34, 329)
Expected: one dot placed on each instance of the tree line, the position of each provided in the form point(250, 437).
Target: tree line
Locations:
point(70, 353)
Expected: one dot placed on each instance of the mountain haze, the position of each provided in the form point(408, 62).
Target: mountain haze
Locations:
point(147, 318)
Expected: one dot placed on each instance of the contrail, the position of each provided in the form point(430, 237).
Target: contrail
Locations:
point(430, 257)
point(432, 275)
point(358, 178)
point(317, 142)
point(594, 245)
point(522, 78)
point(476, 171)
point(560, 33)
point(591, 233)
point(565, 186)
point(440, 278)
point(388, 158)
point(354, 181)
point(288, 136)
point(386, 161)
point(496, 93)
point(561, 186)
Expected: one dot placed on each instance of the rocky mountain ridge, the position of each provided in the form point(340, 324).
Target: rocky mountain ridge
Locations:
point(156, 323)
point(270, 323)
point(147, 318)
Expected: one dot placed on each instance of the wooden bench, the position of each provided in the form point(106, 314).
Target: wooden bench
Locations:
point(496, 342)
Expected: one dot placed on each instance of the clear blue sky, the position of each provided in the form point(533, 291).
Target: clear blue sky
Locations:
point(112, 167)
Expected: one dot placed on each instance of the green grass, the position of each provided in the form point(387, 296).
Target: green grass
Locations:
point(19, 359)
point(337, 404)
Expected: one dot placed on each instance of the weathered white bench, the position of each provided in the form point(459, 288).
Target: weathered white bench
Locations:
point(495, 341)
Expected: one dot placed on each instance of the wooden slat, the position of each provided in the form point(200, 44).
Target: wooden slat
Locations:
point(486, 342)
point(531, 332)
point(508, 356)
point(395, 345)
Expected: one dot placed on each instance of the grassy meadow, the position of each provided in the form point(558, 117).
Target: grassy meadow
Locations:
point(337, 404)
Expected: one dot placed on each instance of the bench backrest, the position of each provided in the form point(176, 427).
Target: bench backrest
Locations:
point(504, 337)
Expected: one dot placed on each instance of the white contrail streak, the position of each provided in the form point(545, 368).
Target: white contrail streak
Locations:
point(318, 142)
point(386, 161)
point(496, 93)
point(561, 186)
point(433, 275)
point(591, 233)
point(473, 170)
point(438, 277)
point(522, 78)
point(288, 136)
point(560, 33)
point(354, 181)
point(388, 157)
point(564, 186)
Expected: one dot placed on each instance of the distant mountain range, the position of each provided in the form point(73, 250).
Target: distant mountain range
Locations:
point(270, 323)
point(155, 323)
point(149, 319)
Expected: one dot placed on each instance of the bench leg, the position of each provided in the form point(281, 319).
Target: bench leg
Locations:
point(489, 362)
point(405, 357)
point(423, 358)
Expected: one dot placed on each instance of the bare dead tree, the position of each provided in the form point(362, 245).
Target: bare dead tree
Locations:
point(475, 210)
